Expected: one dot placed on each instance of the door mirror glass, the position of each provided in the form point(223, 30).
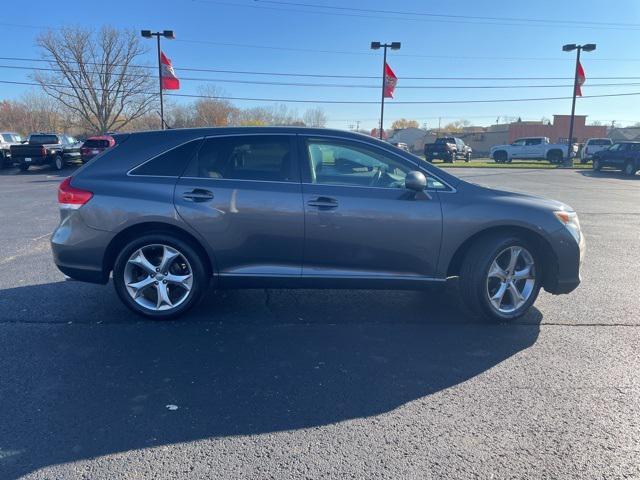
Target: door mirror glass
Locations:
point(415, 181)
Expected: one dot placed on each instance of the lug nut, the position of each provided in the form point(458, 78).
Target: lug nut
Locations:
point(164, 281)
point(153, 275)
point(156, 283)
point(157, 269)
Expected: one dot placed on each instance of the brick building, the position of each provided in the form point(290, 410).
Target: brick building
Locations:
point(558, 131)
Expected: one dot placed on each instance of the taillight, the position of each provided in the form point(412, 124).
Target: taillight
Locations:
point(43, 152)
point(71, 197)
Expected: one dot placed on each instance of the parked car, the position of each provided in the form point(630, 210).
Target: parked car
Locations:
point(448, 149)
point(46, 149)
point(592, 146)
point(532, 148)
point(169, 211)
point(6, 140)
point(624, 156)
point(400, 145)
point(92, 146)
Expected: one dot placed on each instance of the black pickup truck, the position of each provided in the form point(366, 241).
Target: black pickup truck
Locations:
point(46, 149)
point(448, 149)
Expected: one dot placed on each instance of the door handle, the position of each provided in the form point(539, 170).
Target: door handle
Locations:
point(198, 195)
point(323, 202)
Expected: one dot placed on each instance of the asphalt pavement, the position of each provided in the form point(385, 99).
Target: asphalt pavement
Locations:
point(322, 384)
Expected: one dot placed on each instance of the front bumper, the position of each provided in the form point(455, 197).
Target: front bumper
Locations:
point(565, 277)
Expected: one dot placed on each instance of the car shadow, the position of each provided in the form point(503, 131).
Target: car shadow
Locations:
point(608, 174)
point(242, 363)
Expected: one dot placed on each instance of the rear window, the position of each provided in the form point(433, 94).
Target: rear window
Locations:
point(171, 163)
point(600, 141)
point(445, 140)
point(43, 139)
point(96, 144)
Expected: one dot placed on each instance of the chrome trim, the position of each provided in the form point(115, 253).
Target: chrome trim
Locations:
point(238, 180)
point(452, 189)
point(337, 277)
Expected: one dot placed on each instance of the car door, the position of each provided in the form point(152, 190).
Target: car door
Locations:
point(360, 221)
point(532, 148)
point(614, 157)
point(242, 193)
point(517, 149)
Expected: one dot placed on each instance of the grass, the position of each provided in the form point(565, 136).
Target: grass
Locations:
point(488, 163)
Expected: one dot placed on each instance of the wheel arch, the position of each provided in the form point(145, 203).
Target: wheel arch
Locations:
point(555, 152)
point(542, 247)
point(146, 228)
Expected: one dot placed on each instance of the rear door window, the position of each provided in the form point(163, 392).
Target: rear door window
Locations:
point(171, 163)
point(266, 158)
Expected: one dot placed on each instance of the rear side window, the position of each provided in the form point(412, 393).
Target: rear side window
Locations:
point(170, 163)
point(600, 141)
point(246, 157)
point(43, 139)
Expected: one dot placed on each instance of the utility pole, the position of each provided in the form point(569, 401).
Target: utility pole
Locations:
point(377, 46)
point(169, 35)
point(589, 47)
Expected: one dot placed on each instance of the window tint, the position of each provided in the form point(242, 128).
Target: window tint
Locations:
point(171, 163)
point(43, 139)
point(246, 157)
point(635, 147)
point(96, 143)
point(600, 141)
point(518, 143)
point(533, 141)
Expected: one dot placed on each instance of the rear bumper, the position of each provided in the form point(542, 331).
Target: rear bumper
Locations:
point(569, 256)
point(78, 250)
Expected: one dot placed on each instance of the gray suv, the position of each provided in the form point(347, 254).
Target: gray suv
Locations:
point(168, 212)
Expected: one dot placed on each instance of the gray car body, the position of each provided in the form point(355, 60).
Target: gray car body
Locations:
point(262, 233)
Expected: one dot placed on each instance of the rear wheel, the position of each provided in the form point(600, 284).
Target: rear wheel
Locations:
point(500, 277)
point(23, 166)
point(630, 169)
point(555, 156)
point(159, 276)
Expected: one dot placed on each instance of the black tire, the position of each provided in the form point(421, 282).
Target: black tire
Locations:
point(4, 163)
point(596, 166)
point(473, 284)
point(23, 166)
point(555, 156)
point(200, 279)
point(467, 157)
point(500, 156)
point(58, 163)
point(630, 169)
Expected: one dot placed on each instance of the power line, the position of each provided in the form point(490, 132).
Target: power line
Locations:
point(344, 102)
point(317, 75)
point(360, 13)
point(328, 85)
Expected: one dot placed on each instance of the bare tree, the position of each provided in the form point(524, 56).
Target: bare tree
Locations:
point(96, 75)
point(315, 117)
point(212, 111)
point(404, 123)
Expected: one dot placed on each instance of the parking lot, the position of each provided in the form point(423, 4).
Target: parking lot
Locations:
point(322, 384)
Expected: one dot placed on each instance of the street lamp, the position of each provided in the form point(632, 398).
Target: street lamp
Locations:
point(378, 46)
point(588, 47)
point(168, 34)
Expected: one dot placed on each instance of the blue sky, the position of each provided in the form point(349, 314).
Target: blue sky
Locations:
point(431, 46)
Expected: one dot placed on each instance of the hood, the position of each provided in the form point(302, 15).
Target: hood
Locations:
point(524, 199)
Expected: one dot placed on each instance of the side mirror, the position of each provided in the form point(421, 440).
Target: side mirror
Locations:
point(415, 181)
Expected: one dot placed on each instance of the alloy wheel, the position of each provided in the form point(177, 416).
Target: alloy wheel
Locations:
point(511, 279)
point(158, 277)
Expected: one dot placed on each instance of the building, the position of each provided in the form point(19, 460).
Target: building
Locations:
point(482, 139)
point(558, 131)
point(625, 134)
point(415, 138)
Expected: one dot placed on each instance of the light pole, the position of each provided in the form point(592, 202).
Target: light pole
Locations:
point(168, 34)
point(377, 46)
point(588, 47)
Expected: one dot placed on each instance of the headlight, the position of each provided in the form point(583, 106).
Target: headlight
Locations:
point(570, 220)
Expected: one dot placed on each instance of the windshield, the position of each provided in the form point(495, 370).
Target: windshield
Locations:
point(43, 139)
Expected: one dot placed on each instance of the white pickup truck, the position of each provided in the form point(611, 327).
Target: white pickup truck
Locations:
point(531, 148)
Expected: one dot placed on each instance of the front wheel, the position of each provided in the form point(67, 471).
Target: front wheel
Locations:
point(467, 157)
point(629, 169)
point(596, 166)
point(159, 276)
point(500, 277)
point(58, 163)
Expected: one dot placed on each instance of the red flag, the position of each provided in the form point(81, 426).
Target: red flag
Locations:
point(169, 79)
point(390, 81)
point(581, 79)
